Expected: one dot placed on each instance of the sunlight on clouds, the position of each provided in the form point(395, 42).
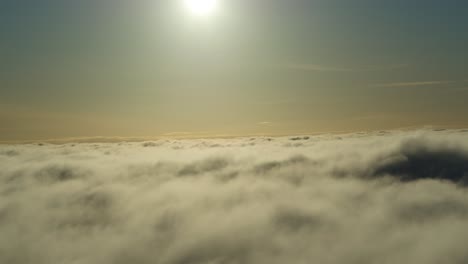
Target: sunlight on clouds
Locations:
point(331, 198)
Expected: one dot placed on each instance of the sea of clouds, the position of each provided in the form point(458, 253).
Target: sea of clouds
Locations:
point(383, 197)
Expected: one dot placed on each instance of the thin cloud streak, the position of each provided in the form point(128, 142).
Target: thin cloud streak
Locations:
point(412, 84)
point(324, 68)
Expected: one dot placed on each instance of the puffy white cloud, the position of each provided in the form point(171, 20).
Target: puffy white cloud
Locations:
point(388, 197)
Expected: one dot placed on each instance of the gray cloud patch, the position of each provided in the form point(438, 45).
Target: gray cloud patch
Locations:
point(396, 197)
point(418, 159)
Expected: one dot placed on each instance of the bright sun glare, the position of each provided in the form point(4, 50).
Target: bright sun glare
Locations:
point(201, 7)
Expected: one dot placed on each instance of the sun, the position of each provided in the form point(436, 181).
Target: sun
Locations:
point(201, 7)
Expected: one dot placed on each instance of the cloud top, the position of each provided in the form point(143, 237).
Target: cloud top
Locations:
point(388, 197)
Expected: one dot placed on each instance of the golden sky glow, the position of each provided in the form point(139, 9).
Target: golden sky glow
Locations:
point(236, 67)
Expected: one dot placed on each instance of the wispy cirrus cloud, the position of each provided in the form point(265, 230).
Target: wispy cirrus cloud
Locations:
point(265, 123)
point(412, 84)
point(327, 68)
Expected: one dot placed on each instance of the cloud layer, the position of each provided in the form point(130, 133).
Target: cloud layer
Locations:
point(388, 197)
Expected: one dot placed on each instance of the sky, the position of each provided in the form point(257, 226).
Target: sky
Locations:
point(150, 68)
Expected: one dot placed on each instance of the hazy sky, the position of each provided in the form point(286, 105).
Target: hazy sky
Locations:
point(147, 68)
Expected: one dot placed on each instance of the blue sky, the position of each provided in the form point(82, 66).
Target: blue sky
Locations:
point(137, 68)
